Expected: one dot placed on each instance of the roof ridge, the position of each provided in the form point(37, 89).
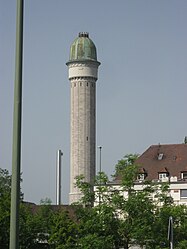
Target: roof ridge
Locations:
point(156, 145)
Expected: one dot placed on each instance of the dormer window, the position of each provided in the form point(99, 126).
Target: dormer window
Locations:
point(160, 156)
point(142, 174)
point(162, 176)
point(184, 175)
point(174, 158)
point(141, 177)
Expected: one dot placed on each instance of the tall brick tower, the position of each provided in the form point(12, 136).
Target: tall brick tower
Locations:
point(83, 68)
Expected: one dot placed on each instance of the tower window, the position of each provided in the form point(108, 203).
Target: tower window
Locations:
point(87, 83)
point(74, 84)
point(87, 138)
point(80, 83)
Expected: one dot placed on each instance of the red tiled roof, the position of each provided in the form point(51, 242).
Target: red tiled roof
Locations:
point(170, 158)
point(70, 209)
point(142, 171)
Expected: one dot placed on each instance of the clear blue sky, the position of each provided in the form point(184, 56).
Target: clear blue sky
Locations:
point(141, 90)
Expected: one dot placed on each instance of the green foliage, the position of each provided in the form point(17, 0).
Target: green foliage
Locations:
point(121, 217)
point(27, 232)
point(179, 215)
point(98, 224)
point(127, 160)
point(47, 201)
point(86, 189)
point(163, 195)
point(64, 231)
point(136, 217)
point(5, 192)
point(129, 175)
point(31, 225)
point(5, 182)
point(35, 225)
point(122, 220)
point(182, 244)
point(101, 178)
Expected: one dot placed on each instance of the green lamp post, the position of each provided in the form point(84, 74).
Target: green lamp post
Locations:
point(16, 149)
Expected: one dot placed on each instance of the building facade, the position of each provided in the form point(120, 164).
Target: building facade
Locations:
point(163, 164)
point(83, 74)
point(166, 163)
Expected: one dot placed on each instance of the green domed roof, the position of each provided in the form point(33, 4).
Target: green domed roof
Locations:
point(83, 48)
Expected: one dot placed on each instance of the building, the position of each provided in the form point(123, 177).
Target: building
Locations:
point(83, 74)
point(164, 163)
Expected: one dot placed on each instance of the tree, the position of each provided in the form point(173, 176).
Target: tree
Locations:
point(179, 215)
point(64, 231)
point(27, 232)
point(86, 189)
point(120, 217)
point(5, 192)
point(136, 208)
point(135, 216)
point(127, 160)
point(42, 222)
point(97, 227)
point(31, 225)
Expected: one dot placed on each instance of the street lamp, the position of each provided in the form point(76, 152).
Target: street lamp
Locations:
point(170, 232)
point(58, 176)
point(100, 148)
point(16, 147)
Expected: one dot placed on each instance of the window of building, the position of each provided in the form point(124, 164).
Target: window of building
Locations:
point(162, 176)
point(175, 190)
point(174, 158)
point(183, 193)
point(160, 156)
point(141, 177)
point(184, 175)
